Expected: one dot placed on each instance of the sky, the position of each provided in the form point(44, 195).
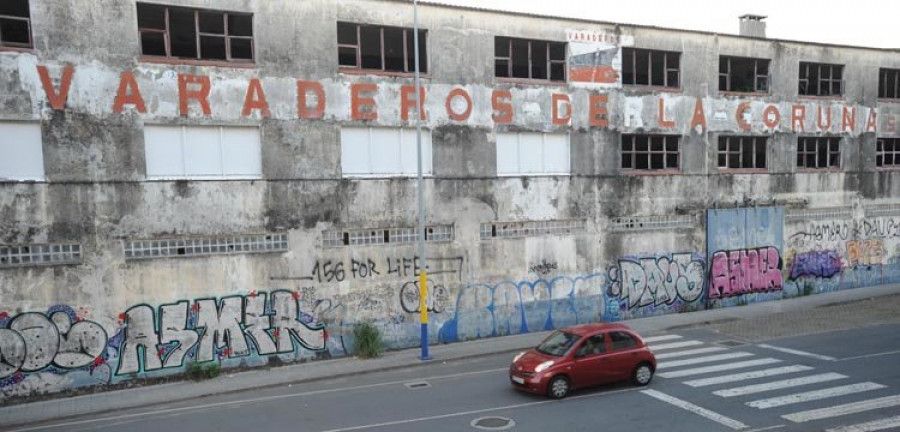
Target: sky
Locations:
point(869, 23)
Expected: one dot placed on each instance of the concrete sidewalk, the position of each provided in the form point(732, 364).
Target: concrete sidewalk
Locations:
point(326, 369)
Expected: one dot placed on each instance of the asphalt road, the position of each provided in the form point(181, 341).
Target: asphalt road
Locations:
point(707, 381)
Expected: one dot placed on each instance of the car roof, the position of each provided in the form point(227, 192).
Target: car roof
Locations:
point(585, 329)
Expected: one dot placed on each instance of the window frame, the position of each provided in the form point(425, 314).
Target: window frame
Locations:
point(549, 63)
point(883, 73)
point(804, 153)
point(33, 153)
point(881, 153)
point(756, 75)
point(650, 52)
point(167, 38)
point(805, 78)
point(649, 152)
point(544, 171)
point(408, 44)
point(752, 140)
point(15, 46)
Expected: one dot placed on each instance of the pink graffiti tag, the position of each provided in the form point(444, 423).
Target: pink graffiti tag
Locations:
point(745, 271)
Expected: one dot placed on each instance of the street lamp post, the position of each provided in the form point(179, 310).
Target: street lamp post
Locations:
point(423, 274)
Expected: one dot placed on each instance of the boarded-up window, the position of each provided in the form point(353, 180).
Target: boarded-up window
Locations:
point(202, 152)
point(383, 152)
point(532, 153)
point(21, 151)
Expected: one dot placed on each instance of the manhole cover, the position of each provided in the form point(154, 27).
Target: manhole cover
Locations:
point(731, 343)
point(417, 385)
point(493, 423)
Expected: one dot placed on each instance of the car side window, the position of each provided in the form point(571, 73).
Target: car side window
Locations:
point(622, 340)
point(592, 346)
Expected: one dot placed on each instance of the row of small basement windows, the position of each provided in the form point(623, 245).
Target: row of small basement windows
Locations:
point(220, 152)
point(201, 34)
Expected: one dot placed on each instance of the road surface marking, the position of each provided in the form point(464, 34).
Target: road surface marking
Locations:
point(689, 352)
point(473, 412)
point(240, 402)
point(815, 395)
point(747, 375)
point(717, 368)
point(798, 352)
point(674, 345)
point(716, 417)
point(871, 426)
point(705, 359)
point(661, 338)
point(867, 355)
point(839, 410)
point(775, 385)
point(766, 428)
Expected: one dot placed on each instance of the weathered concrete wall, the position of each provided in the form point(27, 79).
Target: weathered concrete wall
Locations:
point(110, 319)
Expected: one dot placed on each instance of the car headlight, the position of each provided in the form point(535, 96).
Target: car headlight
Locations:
point(543, 366)
point(518, 356)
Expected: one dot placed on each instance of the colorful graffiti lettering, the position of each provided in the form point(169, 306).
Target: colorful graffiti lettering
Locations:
point(745, 271)
point(865, 252)
point(657, 281)
point(821, 264)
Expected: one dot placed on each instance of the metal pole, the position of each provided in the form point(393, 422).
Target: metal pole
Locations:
point(423, 274)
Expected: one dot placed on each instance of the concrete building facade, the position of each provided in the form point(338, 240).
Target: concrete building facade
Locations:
point(189, 181)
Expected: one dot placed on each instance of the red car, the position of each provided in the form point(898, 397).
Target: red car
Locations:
point(583, 356)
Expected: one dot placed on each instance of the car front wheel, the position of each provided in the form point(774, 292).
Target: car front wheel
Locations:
point(558, 388)
point(642, 375)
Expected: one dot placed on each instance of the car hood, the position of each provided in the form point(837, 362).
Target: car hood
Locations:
point(531, 359)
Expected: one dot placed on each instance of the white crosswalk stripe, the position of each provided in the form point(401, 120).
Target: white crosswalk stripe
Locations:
point(718, 368)
point(705, 359)
point(872, 426)
point(689, 352)
point(775, 385)
point(674, 345)
point(724, 379)
point(815, 395)
point(653, 339)
point(845, 409)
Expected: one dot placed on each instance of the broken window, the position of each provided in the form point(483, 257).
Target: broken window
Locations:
point(741, 74)
point(529, 59)
point(188, 33)
point(889, 83)
point(818, 152)
point(819, 79)
point(15, 24)
point(651, 67)
point(888, 153)
point(380, 48)
point(650, 152)
point(742, 152)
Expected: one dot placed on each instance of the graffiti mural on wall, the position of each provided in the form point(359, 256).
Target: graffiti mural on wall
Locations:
point(745, 271)
point(150, 339)
point(821, 264)
point(657, 281)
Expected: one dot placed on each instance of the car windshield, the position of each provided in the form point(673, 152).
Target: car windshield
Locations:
point(557, 343)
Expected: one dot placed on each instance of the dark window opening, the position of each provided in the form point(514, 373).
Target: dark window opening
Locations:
point(741, 74)
point(821, 79)
point(529, 59)
point(742, 152)
point(818, 153)
point(650, 152)
point(888, 153)
point(651, 67)
point(390, 49)
point(15, 24)
point(621, 340)
point(889, 83)
point(179, 32)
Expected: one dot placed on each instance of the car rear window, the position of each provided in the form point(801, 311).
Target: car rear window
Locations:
point(622, 340)
point(557, 343)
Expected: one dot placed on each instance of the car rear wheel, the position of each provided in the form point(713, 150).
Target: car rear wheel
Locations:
point(642, 375)
point(558, 388)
